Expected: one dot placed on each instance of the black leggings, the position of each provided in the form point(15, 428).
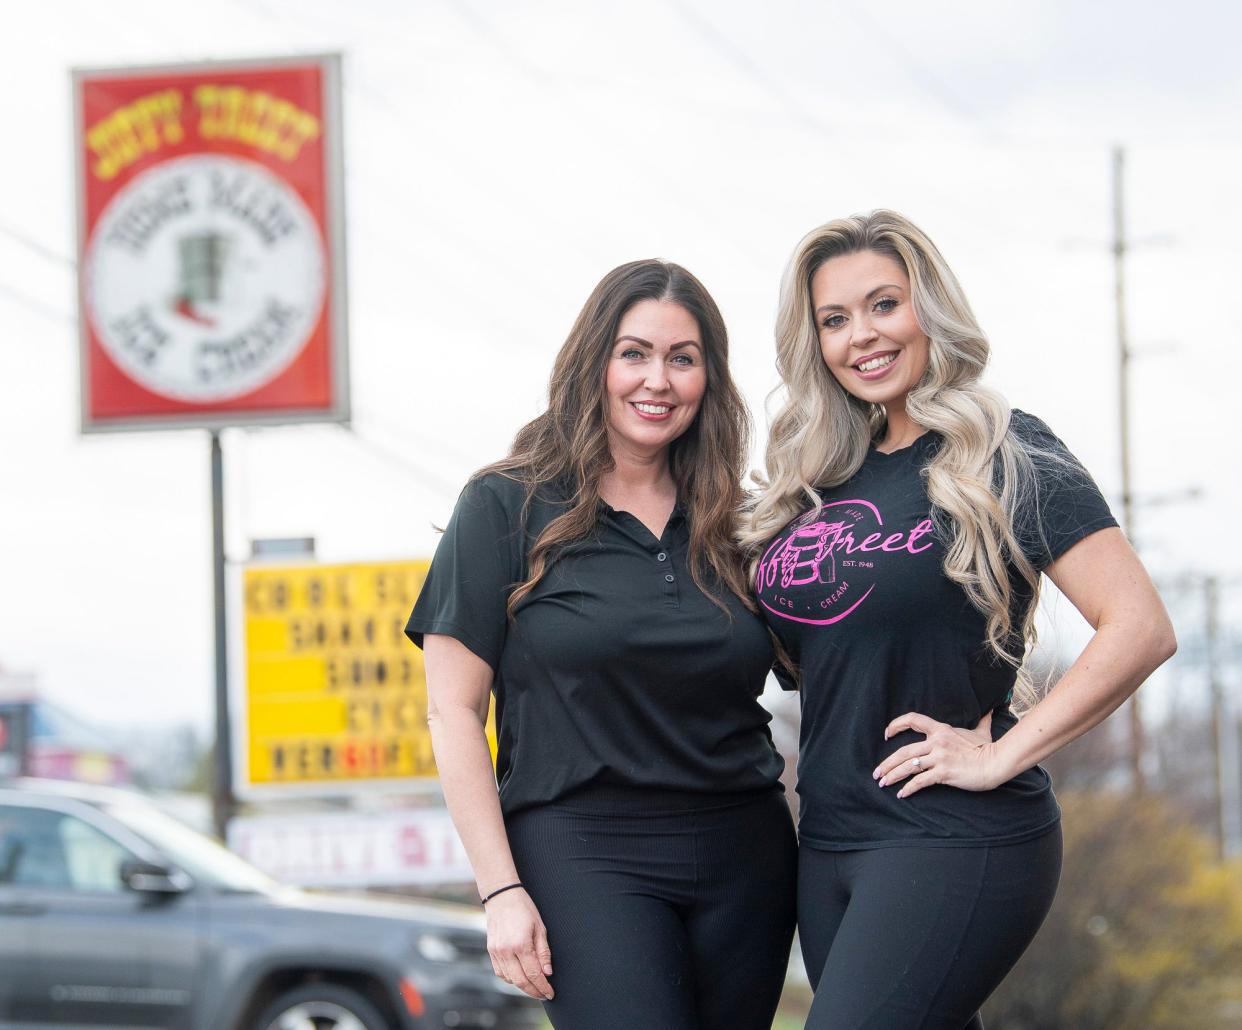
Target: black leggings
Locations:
point(916, 938)
point(664, 912)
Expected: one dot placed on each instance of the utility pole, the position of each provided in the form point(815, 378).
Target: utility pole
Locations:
point(1224, 731)
point(1137, 779)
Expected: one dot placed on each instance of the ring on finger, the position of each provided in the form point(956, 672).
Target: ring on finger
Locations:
point(917, 763)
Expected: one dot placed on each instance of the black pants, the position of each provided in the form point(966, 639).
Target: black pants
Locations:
point(664, 912)
point(916, 938)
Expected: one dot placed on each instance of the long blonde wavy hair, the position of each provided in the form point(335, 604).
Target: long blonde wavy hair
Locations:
point(980, 475)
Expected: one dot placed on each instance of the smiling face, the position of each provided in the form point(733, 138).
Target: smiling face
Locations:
point(656, 378)
point(869, 336)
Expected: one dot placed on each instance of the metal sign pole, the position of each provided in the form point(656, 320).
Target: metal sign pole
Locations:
point(222, 783)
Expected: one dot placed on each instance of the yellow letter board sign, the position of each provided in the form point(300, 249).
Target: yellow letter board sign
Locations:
point(334, 691)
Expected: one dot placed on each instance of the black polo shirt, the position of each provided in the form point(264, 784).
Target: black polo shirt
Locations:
point(616, 668)
point(857, 594)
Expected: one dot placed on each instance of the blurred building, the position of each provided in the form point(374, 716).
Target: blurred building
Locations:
point(37, 738)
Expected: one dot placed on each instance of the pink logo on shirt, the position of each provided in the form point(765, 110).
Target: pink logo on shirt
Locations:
point(819, 548)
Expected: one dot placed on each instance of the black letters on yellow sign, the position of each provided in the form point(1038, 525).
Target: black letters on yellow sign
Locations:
point(344, 673)
point(270, 595)
point(396, 589)
point(336, 691)
point(266, 596)
point(317, 633)
point(389, 755)
point(402, 713)
point(332, 591)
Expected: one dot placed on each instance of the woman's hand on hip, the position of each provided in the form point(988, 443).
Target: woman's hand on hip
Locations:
point(518, 944)
point(951, 755)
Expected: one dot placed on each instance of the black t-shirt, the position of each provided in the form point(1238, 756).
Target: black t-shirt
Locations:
point(616, 669)
point(857, 595)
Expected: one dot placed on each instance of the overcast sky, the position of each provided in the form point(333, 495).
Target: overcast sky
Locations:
point(501, 157)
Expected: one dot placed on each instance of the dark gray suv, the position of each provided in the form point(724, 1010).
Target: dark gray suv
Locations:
point(113, 914)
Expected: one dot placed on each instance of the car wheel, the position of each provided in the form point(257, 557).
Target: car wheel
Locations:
point(321, 1006)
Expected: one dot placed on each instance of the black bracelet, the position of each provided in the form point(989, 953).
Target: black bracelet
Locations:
point(501, 890)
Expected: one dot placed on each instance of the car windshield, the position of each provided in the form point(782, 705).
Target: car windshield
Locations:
point(200, 856)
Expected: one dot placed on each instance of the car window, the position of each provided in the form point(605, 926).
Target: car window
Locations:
point(44, 848)
point(93, 857)
point(31, 852)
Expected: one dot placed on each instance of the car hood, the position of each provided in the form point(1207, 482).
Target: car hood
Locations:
point(434, 913)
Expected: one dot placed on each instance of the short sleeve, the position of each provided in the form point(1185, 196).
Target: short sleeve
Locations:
point(476, 565)
point(1063, 505)
point(784, 678)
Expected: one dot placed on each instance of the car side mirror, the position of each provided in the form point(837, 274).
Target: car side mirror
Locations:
point(10, 855)
point(152, 877)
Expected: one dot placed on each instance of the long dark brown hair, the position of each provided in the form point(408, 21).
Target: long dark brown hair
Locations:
point(568, 443)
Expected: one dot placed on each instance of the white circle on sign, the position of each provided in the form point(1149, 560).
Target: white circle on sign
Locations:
point(204, 278)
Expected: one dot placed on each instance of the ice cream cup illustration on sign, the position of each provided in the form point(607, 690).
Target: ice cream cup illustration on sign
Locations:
point(205, 277)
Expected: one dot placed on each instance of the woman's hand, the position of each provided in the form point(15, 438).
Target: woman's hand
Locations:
point(950, 755)
point(518, 944)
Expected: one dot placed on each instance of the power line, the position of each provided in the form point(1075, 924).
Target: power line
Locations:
point(487, 30)
point(734, 54)
point(356, 85)
point(737, 57)
point(31, 244)
point(24, 300)
point(21, 297)
point(423, 476)
point(921, 75)
point(673, 188)
point(401, 432)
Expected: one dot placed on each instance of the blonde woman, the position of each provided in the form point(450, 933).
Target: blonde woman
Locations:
point(908, 518)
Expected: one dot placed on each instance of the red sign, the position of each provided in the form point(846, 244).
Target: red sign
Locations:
point(210, 244)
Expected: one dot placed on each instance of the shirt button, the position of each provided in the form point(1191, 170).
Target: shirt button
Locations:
point(669, 578)
point(661, 556)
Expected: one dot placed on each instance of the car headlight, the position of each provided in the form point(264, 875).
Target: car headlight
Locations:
point(435, 947)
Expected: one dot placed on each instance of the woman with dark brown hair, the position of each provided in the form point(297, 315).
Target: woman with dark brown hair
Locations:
point(639, 843)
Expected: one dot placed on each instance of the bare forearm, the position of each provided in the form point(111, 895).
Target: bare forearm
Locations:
point(469, 786)
point(1111, 667)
